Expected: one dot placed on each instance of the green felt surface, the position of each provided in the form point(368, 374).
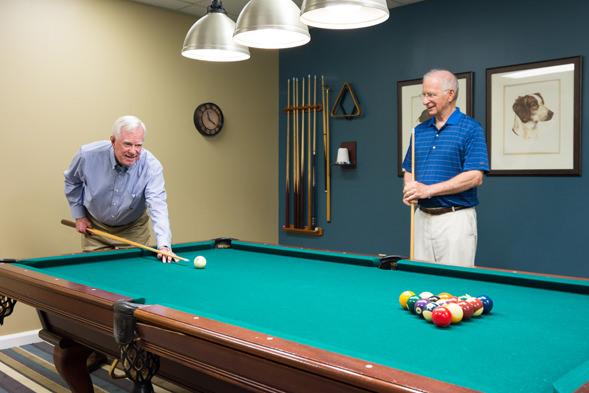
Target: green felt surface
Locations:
point(345, 304)
point(573, 380)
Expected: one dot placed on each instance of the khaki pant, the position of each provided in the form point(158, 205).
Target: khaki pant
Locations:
point(137, 231)
point(448, 239)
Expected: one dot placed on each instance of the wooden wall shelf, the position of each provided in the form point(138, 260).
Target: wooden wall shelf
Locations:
point(303, 231)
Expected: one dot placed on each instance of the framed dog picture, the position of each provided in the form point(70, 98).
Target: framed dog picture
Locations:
point(533, 118)
point(411, 112)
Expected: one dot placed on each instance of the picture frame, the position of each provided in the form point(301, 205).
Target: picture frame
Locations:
point(411, 112)
point(533, 119)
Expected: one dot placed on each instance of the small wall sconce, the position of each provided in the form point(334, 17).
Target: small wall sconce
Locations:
point(346, 155)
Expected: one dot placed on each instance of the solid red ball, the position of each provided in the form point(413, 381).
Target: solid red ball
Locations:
point(441, 317)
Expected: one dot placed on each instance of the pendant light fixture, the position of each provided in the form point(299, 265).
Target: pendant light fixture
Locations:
point(211, 37)
point(271, 24)
point(344, 14)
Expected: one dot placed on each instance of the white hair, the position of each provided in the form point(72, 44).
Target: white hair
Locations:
point(447, 79)
point(127, 123)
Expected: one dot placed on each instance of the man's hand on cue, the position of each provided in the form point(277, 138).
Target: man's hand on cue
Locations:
point(82, 224)
point(166, 258)
point(413, 191)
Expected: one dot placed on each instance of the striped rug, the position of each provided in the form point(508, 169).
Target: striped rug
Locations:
point(30, 368)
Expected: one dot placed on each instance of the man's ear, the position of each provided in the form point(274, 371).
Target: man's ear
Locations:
point(112, 139)
point(453, 97)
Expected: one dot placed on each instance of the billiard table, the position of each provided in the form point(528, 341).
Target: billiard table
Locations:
point(271, 318)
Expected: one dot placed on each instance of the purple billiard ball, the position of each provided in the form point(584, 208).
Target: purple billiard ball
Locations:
point(487, 303)
point(420, 306)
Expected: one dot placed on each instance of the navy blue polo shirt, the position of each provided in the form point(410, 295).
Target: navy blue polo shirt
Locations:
point(440, 155)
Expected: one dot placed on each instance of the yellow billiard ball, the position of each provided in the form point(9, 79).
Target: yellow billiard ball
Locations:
point(403, 298)
point(200, 262)
point(456, 311)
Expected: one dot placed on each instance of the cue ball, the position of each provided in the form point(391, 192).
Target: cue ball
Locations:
point(200, 262)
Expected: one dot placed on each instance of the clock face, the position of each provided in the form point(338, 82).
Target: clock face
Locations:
point(208, 119)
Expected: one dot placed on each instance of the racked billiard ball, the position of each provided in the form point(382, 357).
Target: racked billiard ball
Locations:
point(487, 303)
point(467, 309)
point(456, 312)
point(411, 303)
point(427, 312)
point(445, 295)
point(404, 297)
point(420, 306)
point(441, 317)
point(477, 305)
point(425, 295)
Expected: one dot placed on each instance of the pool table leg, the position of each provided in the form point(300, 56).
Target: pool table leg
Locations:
point(70, 361)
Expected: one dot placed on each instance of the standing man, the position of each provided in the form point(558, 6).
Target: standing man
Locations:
point(116, 186)
point(450, 160)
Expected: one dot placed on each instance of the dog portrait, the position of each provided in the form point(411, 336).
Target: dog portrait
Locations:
point(534, 116)
point(529, 110)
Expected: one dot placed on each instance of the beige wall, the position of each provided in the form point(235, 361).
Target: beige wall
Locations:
point(70, 67)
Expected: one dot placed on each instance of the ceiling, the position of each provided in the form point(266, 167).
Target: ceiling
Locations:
point(233, 7)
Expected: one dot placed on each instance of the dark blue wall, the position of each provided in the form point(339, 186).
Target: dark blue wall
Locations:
point(525, 223)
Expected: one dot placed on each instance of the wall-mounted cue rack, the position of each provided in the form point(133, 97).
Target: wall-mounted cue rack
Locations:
point(301, 155)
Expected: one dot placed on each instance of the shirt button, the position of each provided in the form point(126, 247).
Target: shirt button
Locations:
point(114, 203)
point(433, 147)
point(116, 190)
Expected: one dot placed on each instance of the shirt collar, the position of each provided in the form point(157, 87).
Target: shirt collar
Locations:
point(114, 164)
point(453, 119)
point(113, 161)
point(455, 116)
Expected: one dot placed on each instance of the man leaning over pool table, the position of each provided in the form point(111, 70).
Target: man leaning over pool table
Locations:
point(116, 186)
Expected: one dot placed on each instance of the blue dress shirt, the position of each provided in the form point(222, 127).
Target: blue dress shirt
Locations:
point(457, 147)
point(117, 195)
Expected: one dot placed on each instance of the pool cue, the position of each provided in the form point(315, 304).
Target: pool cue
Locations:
point(314, 162)
point(296, 166)
point(309, 146)
point(412, 235)
point(107, 235)
point(287, 163)
point(302, 185)
point(325, 161)
point(328, 155)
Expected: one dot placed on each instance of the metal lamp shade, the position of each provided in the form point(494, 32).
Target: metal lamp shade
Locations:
point(344, 14)
point(271, 24)
point(210, 39)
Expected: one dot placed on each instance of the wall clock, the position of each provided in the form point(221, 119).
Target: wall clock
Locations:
point(208, 119)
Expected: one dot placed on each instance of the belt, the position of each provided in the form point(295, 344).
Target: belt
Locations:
point(436, 211)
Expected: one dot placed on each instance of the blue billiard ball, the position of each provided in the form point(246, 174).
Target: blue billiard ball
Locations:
point(427, 312)
point(487, 303)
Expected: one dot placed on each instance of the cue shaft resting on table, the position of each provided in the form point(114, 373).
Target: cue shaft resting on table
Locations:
point(107, 235)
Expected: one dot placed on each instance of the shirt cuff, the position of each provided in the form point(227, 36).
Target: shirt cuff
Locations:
point(78, 212)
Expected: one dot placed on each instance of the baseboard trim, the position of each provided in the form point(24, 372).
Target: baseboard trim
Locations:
point(18, 339)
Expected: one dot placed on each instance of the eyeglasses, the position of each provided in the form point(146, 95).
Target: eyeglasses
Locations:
point(431, 95)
